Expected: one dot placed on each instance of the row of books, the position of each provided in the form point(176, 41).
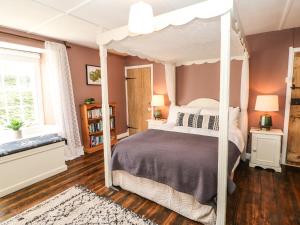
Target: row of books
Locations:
point(97, 127)
point(96, 140)
point(97, 113)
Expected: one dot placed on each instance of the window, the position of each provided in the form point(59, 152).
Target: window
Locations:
point(20, 87)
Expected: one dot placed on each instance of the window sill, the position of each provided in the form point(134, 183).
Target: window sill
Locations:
point(28, 132)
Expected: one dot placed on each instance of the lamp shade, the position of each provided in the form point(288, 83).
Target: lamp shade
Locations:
point(140, 18)
point(158, 100)
point(267, 103)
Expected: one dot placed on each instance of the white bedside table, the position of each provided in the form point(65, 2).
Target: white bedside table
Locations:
point(265, 148)
point(152, 123)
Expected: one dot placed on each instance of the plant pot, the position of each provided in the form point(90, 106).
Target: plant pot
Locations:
point(18, 134)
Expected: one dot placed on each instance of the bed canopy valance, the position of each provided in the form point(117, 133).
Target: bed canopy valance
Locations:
point(202, 33)
point(181, 37)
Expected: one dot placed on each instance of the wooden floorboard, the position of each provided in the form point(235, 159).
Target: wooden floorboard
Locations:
point(263, 197)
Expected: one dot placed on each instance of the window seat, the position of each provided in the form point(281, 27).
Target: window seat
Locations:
point(27, 161)
point(29, 143)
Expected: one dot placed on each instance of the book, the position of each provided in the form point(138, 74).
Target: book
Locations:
point(97, 113)
point(96, 127)
point(94, 113)
point(96, 140)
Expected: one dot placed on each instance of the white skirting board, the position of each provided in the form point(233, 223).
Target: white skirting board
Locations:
point(123, 135)
point(22, 169)
point(248, 156)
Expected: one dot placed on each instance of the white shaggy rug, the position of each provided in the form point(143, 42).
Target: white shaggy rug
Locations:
point(79, 206)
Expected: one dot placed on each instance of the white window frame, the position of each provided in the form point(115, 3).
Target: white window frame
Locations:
point(38, 99)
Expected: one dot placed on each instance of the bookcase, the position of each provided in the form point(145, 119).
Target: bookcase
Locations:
point(92, 126)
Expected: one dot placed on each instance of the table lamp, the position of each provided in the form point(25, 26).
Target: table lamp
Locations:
point(266, 103)
point(157, 101)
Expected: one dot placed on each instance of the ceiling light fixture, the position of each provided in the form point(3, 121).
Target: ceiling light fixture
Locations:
point(140, 18)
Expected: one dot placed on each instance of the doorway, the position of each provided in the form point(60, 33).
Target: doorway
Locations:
point(291, 140)
point(139, 89)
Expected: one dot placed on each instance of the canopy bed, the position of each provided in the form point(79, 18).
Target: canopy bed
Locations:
point(184, 37)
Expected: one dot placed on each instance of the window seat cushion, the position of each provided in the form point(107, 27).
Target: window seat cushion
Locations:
point(29, 143)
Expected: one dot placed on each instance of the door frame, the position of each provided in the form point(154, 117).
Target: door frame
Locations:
point(151, 74)
point(288, 95)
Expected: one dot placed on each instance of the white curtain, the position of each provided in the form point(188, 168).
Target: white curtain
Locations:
point(170, 74)
point(58, 76)
point(244, 101)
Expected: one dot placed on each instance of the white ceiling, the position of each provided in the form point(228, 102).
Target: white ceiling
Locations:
point(79, 21)
point(258, 16)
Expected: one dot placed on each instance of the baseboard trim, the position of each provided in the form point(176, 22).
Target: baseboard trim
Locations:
point(248, 156)
point(123, 135)
point(245, 156)
point(32, 180)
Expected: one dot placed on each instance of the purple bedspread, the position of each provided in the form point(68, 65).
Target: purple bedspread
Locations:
point(185, 162)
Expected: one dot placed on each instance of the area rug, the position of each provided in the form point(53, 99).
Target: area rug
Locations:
point(77, 206)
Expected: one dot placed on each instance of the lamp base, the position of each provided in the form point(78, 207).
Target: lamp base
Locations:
point(157, 114)
point(265, 122)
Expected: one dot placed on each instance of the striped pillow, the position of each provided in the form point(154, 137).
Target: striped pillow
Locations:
point(198, 121)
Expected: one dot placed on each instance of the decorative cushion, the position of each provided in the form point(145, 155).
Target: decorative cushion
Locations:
point(234, 114)
point(29, 143)
point(174, 110)
point(198, 121)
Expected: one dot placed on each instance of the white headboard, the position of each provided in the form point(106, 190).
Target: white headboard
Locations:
point(204, 103)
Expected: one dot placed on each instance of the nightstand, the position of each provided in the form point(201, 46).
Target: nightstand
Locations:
point(265, 148)
point(152, 123)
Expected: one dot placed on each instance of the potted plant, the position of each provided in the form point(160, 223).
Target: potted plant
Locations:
point(15, 125)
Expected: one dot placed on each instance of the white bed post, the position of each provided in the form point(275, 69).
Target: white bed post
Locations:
point(244, 98)
point(105, 116)
point(223, 112)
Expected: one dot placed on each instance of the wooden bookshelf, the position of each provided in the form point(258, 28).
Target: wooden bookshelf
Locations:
point(92, 126)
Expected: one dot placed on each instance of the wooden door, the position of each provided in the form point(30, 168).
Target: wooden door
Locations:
point(293, 145)
point(138, 98)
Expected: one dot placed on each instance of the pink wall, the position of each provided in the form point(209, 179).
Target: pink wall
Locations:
point(268, 69)
point(79, 56)
point(159, 81)
point(203, 81)
point(195, 81)
point(116, 88)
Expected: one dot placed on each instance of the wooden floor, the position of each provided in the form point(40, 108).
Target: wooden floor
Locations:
point(262, 197)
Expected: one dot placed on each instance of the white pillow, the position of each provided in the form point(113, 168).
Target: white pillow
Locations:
point(234, 114)
point(174, 110)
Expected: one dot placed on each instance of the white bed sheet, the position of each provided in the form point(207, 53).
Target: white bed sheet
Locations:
point(182, 203)
point(234, 135)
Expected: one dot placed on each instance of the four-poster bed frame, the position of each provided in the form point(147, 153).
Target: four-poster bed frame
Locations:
point(225, 23)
